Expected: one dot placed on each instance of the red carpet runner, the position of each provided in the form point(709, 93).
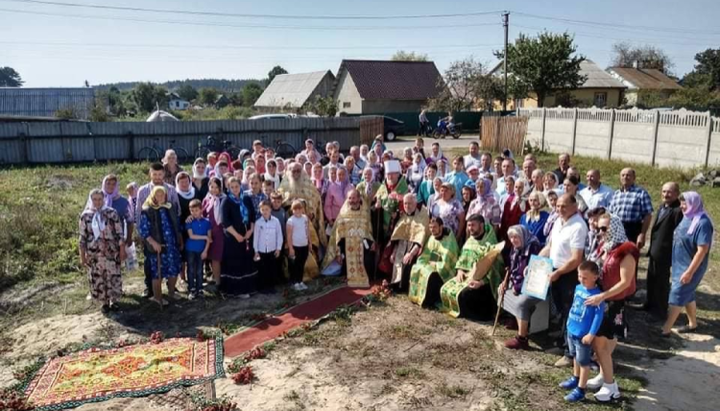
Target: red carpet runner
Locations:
point(274, 327)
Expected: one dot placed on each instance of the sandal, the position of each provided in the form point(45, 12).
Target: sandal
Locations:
point(161, 303)
point(686, 329)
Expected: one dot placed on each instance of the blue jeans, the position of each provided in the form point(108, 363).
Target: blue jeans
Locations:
point(194, 271)
point(582, 353)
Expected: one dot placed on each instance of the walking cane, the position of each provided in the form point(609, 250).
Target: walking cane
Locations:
point(159, 273)
point(500, 300)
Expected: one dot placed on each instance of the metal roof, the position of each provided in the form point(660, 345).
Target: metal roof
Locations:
point(652, 79)
point(44, 102)
point(597, 77)
point(394, 80)
point(292, 90)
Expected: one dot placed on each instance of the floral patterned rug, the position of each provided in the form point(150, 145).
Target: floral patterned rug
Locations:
point(135, 371)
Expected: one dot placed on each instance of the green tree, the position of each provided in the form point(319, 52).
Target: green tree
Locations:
point(647, 56)
point(707, 69)
point(146, 97)
point(272, 73)
point(207, 96)
point(251, 92)
point(187, 92)
point(465, 84)
point(10, 78)
point(402, 55)
point(322, 106)
point(543, 64)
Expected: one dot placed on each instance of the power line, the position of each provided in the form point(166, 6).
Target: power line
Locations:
point(249, 15)
point(236, 25)
point(632, 40)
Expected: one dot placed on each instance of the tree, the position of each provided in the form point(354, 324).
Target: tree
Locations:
point(707, 70)
point(322, 106)
point(647, 56)
point(251, 92)
point(10, 78)
point(274, 72)
point(466, 82)
point(187, 92)
point(146, 97)
point(207, 96)
point(543, 64)
point(402, 55)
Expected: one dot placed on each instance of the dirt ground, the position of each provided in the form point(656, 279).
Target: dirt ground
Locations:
point(390, 356)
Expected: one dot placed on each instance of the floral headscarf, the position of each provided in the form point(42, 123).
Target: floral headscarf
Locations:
point(615, 234)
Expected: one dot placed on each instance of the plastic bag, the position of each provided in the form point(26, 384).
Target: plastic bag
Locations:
point(131, 261)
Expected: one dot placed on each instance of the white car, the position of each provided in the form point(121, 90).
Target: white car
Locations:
point(273, 116)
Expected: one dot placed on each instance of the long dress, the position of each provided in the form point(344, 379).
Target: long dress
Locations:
point(162, 225)
point(238, 274)
point(218, 233)
point(103, 254)
point(434, 267)
point(684, 248)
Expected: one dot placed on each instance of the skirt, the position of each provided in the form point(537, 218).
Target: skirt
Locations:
point(238, 274)
point(683, 294)
point(521, 306)
point(217, 246)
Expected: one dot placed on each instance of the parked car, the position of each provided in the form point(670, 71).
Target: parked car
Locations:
point(392, 127)
point(276, 116)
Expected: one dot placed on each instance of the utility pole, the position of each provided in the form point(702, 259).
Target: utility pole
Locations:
point(506, 18)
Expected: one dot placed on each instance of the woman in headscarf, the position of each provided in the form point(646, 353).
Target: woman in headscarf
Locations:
point(514, 207)
point(552, 198)
point(172, 168)
point(691, 245)
point(260, 163)
point(618, 264)
point(255, 193)
point(199, 178)
point(550, 183)
point(368, 187)
point(437, 183)
point(336, 194)
point(450, 209)
point(407, 160)
point(442, 168)
point(186, 193)
point(485, 204)
point(246, 173)
point(112, 198)
point(280, 162)
point(524, 244)
point(377, 167)
point(535, 218)
point(319, 181)
point(308, 168)
point(160, 229)
point(416, 172)
point(238, 275)
point(102, 250)
point(228, 160)
point(243, 155)
point(436, 154)
point(425, 188)
point(212, 210)
point(468, 196)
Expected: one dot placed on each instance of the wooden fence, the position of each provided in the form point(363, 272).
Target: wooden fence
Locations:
point(499, 133)
point(70, 142)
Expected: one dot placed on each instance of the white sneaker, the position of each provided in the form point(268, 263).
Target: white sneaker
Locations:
point(608, 392)
point(595, 383)
point(89, 297)
point(296, 287)
point(302, 286)
point(244, 296)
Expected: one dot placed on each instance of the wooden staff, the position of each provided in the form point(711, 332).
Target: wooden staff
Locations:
point(159, 273)
point(500, 300)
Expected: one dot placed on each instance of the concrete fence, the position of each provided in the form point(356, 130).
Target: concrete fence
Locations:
point(70, 142)
point(678, 138)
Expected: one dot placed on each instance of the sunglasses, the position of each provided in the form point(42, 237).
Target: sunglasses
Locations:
point(604, 229)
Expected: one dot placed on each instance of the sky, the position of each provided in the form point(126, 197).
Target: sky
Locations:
point(55, 45)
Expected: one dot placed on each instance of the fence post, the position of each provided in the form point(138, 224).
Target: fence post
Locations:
point(709, 139)
point(611, 135)
point(542, 138)
point(655, 137)
point(574, 132)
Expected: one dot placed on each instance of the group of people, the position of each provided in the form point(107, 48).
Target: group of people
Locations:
point(457, 235)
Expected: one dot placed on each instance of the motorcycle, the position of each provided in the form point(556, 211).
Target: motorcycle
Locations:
point(444, 129)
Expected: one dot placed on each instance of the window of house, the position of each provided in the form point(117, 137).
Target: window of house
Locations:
point(600, 100)
point(346, 104)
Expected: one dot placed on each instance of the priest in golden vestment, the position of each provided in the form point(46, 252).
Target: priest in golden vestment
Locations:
point(351, 244)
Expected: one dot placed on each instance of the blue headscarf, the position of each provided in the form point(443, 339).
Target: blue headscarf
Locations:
point(243, 210)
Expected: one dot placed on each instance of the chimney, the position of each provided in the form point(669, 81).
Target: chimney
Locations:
point(636, 64)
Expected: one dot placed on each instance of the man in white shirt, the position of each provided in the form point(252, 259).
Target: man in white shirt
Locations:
point(566, 248)
point(474, 158)
point(508, 168)
point(596, 194)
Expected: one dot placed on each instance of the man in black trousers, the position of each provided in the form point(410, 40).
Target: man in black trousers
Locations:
point(667, 219)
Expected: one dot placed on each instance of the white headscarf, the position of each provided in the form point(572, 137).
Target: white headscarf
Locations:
point(98, 221)
point(188, 195)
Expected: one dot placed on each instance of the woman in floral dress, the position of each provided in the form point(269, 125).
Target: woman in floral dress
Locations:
point(160, 229)
point(102, 249)
point(450, 209)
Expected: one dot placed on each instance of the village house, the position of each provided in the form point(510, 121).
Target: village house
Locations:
point(639, 80)
point(381, 86)
point(177, 103)
point(292, 91)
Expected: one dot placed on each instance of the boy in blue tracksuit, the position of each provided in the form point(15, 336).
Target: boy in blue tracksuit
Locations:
point(582, 326)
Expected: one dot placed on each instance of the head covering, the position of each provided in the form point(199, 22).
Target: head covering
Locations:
point(471, 169)
point(238, 200)
point(109, 197)
point(188, 195)
point(195, 174)
point(214, 202)
point(525, 235)
point(615, 234)
point(228, 160)
point(150, 201)
point(98, 220)
point(242, 154)
point(487, 189)
point(392, 166)
point(134, 185)
point(694, 209)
